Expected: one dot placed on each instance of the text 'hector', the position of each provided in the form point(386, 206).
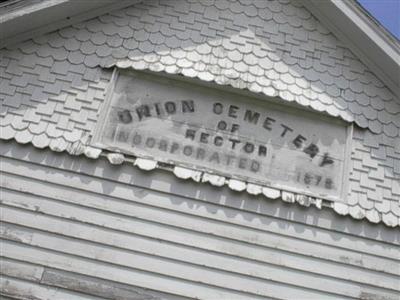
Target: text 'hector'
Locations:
point(206, 129)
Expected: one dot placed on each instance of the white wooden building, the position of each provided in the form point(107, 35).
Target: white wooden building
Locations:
point(208, 149)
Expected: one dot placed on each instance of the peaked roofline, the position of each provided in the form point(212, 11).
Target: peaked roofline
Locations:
point(21, 20)
point(368, 39)
point(375, 46)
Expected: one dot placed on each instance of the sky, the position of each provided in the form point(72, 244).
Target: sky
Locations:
point(387, 12)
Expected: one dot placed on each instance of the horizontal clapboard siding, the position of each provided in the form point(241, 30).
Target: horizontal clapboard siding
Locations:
point(123, 229)
point(21, 289)
point(55, 278)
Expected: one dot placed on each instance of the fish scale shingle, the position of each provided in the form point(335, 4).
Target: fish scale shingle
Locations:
point(53, 86)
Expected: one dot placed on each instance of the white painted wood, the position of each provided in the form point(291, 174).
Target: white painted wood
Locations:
point(143, 227)
point(206, 226)
point(99, 287)
point(274, 259)
point(20, 270)
point(272, 263)
point(115, 158)
point(158, 233)
point(212, 277)
point(69, 221)
point(27, 290)
point(161, 181)
point(198, 226)
point(116, 273)
point(76, 282)
point(145, 164)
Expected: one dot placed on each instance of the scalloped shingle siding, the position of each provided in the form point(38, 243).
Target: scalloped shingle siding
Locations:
point(52, 86)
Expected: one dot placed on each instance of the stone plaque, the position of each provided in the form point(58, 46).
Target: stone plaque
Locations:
point(225, 133)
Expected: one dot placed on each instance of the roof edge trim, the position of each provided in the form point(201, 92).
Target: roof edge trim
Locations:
point(373, 44)
point(49, 15)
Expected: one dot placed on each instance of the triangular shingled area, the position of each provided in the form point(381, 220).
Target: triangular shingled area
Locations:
point(53, 87)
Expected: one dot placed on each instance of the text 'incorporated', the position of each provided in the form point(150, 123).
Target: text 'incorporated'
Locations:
point(228, 134)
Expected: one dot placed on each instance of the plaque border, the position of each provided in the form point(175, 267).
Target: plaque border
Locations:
point(99, 128)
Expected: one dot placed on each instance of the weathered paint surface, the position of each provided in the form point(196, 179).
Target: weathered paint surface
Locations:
point(115, 228)
point(53, 86)
point(78, 228)
point(178, 122)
